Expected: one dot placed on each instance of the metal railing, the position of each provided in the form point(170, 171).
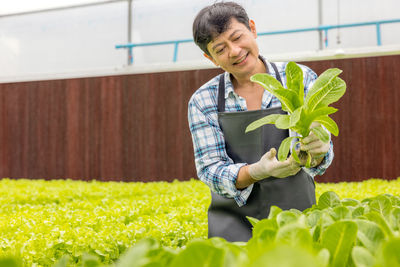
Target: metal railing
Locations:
point(324, 28)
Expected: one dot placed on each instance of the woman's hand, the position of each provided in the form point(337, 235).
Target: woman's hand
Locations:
point(270, 166)
point(313, 145)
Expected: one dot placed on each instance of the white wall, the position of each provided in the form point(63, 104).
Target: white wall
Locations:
point(62, 41)
point(85, 38)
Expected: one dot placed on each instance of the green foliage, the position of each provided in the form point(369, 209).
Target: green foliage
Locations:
point(302, 112)
point(339, 239)
point(10, 261)
point(329, 234)
point(73, 223)
point(147, 252)
point(286, 238)
point(44, 220)
point(343, 241)
point(328, 199)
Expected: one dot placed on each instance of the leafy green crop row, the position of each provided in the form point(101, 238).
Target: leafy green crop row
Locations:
point(360, 190)
point(336, 232)
point(333, 233)
point(40, 221)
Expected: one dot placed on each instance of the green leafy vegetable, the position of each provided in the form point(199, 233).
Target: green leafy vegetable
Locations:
point(328, 199)
point(339, 239)
point(362, 257)
point(369, 234)
point(302, 112)
point(74, 223)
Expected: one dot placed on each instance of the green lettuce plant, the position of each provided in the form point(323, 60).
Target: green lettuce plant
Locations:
point(333, 233)
point(78, 223)
point(302, 111)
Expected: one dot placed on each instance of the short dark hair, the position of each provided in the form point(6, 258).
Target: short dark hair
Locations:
point(213, 20)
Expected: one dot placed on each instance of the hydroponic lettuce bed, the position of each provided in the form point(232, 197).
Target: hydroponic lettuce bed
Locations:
point(70, 223)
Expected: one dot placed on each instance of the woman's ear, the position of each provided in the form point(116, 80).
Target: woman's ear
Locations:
point(211, 59)
point(253, 28)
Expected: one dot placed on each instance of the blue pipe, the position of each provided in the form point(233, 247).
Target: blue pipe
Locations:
point(378, 33)
point(324, 28)
point(176, 51)
point(153, 43)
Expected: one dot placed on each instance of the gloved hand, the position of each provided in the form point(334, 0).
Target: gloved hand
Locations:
point(315, 147)
point(269, 166)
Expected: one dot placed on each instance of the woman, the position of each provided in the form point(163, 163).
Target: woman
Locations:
point(242, 170)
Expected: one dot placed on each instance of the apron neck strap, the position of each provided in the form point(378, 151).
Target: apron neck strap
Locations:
point(221, 93)
point(221, 86)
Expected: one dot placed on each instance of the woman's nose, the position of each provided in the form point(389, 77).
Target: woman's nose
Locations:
point(234, 50)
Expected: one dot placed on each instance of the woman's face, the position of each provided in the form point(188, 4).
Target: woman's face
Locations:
point(236, 50)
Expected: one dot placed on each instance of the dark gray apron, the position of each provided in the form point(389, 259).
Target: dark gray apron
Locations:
point(225, 218)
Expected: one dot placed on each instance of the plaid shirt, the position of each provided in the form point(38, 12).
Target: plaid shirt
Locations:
point(214, 167)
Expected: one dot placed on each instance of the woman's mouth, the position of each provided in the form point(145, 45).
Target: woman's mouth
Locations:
point(241, 60)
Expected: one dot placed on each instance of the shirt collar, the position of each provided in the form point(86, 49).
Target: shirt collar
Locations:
point(228, 83)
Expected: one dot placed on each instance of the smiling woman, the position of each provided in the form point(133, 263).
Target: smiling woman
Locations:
point(236, 52)
point(241, 169)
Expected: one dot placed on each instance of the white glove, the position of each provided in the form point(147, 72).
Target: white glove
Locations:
point(269, 166)
point(315, 147)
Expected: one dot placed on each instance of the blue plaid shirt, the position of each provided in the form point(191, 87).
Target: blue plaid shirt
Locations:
point(214, 167)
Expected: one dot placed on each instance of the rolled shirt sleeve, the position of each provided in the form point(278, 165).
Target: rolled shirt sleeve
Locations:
point(213, 165)
point(326, 162)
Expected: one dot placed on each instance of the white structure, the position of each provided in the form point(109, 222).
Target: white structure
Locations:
point(81, 41)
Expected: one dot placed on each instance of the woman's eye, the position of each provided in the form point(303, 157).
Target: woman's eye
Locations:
point(237, 38)
point(220, 51)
